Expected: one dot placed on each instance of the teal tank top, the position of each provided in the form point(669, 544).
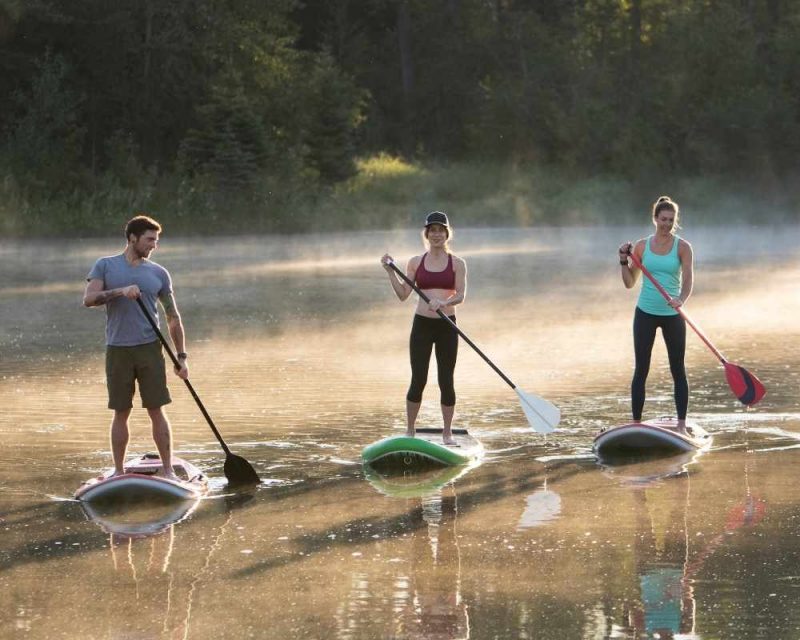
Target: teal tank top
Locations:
point(667, 270)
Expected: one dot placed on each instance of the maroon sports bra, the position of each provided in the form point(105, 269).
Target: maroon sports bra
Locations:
point(445, 279)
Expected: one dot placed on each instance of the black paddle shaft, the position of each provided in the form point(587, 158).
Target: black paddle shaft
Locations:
point(407, 280)
point(188, 384)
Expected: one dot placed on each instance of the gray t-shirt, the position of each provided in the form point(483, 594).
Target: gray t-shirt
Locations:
point(126, 325)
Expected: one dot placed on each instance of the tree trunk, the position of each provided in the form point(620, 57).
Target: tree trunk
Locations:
point(406, 73)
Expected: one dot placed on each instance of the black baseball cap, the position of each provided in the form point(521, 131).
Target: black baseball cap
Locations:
point(437, 217)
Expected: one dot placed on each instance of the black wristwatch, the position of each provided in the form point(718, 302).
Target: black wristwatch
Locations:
point(182, 355)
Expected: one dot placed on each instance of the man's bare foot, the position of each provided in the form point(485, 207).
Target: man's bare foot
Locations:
point(169, 475)
point(116, 472)
point(410, 433)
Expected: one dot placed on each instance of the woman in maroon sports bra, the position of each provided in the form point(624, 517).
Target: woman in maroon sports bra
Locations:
point(442, 276)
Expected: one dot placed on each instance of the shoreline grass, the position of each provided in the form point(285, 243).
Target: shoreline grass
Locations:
point(388, 192)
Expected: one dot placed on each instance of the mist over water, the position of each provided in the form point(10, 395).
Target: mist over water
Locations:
point(298, 348)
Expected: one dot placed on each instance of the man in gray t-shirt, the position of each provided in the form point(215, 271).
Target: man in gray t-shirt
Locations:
point(133, 350)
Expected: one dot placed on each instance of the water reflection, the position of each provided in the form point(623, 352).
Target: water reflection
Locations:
point(435, 608)
point(665, 607)
point(541, 507)
point(414, 484)
point(422, 596)
point(670, 556)
point(648, 471)
point(138, 521)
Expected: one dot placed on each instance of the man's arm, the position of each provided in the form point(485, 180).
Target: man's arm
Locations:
point(175, 331)
point(95, 296)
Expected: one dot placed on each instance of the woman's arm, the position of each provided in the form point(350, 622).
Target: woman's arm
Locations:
point(686, 256)
point(461, 283)
point(460, 267)
point(630, 272)
point(401, 289)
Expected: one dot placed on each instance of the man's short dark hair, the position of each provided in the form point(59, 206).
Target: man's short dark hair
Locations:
point(139, 224)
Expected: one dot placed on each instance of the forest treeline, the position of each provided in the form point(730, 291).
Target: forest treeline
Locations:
point(274, 115)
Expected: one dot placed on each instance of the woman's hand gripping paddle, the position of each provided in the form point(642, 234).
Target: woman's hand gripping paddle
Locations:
point(238, 471)
point(744, 384)
point(541, 414)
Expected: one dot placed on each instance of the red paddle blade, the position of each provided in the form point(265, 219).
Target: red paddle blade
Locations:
point(744, 384)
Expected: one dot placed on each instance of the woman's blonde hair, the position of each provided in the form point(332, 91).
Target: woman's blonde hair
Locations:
point(667, 203)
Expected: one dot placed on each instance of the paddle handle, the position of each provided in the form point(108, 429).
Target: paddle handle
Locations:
point(442, 315)
point(188, 384)
point(680, 310)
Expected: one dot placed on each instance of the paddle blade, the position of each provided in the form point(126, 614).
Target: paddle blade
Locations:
point(239, 471)
point(542, 415)
point(744, 384)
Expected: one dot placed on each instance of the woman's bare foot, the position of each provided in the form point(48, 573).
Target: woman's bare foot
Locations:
point(449, 440)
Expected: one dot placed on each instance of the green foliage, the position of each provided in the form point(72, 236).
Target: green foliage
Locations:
point(333, 107)
point(253, 115)
point(44, 144)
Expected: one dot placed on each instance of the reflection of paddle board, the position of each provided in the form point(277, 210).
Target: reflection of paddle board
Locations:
point(140, 483)
point(647, 471)
point(414, 484)
point(424, 449)
point(654, 437)
point(147, 520)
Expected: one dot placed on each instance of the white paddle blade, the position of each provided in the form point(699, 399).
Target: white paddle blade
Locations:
point(542, 415)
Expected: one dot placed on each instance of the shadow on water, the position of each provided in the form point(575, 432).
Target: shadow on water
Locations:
point(358, 531)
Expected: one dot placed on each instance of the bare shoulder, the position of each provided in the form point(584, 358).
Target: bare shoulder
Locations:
point(684, 248)
point(458, 263)
point(413, 262)
point(638, 247)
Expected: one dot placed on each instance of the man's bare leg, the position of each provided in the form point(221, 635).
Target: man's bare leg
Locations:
point(162, 436)
point(119, 439)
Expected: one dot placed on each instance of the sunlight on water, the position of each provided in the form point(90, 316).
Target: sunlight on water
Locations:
point(298, 349)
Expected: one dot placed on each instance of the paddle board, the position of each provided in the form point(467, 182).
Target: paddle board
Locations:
point(424, 449)
point(653, 437)
point(140, 482)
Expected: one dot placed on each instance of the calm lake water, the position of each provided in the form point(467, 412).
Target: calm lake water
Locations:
point(298, 348)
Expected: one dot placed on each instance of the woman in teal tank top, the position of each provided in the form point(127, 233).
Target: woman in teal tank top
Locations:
point(669, 258)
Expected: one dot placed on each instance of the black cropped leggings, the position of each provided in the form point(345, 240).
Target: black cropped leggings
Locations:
point(673, 328)
point(425, 333)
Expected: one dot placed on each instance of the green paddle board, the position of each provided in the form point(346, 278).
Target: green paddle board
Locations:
point(425, 449)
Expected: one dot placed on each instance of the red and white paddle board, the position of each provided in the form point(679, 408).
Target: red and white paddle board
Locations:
point(141, 482)
point(653, 437)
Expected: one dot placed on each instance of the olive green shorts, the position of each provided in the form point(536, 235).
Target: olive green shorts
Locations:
point(143, 363)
